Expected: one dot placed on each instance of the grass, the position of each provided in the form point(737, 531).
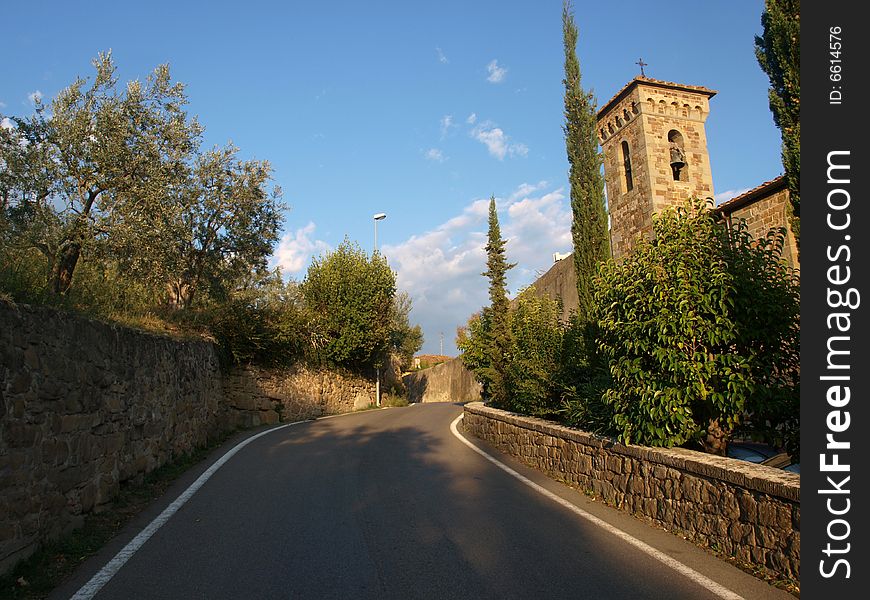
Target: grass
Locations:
point(38, 575)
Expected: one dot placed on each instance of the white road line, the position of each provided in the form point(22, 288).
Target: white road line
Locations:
point(103, 576)
point(701, 580)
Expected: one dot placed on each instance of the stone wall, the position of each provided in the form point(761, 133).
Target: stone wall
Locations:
point(747, 511)
point(85, 406)
point(560, 283)
point(256, 396)
point(448, 382)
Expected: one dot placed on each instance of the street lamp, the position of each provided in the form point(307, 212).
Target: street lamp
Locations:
point(377, 217)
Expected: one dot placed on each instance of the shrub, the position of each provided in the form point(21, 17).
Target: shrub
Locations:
point(700, 327)
point(583, 378)
point(534, 357)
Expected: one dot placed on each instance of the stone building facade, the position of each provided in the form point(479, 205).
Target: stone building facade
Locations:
point(655, 154)
point(764, 208)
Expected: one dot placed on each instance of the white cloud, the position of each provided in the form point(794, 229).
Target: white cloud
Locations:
point(472, 119)
point(296, 250)
point(728, 194)
point(496, 73)
point(2, 105)
point(434, 154)
point(34, 97)
point(441, 269)
point(497, 141)
point(446, 124)
point(7, 123)
point(441, 57)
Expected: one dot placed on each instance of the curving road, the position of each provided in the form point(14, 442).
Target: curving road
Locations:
point(391, 504)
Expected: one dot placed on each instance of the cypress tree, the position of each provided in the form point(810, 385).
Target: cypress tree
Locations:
point(589, 224)
point(499, 328)
point(779, 55)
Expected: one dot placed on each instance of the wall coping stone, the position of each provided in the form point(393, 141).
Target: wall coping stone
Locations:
point(768, 480)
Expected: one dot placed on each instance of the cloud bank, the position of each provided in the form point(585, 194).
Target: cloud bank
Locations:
point(441, 268)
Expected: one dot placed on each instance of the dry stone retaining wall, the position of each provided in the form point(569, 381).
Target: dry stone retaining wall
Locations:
point(748, 511)
point(85, 406)
point(256, 396)
point(448, 382)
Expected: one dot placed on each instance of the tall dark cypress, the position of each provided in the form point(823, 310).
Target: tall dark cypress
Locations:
point(779, 54)
point(589, 225)
point(499, 329)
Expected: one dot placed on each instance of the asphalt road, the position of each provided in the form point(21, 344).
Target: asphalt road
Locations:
point(390, 504)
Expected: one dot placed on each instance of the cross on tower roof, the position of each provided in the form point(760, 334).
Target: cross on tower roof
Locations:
point(642, 65)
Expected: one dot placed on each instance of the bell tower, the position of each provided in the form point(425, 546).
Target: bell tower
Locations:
point(655, 154)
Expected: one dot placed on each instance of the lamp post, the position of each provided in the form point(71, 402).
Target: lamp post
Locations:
point(377, 217)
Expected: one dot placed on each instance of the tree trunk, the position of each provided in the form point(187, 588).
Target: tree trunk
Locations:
point(716, 439)
point(64, 267)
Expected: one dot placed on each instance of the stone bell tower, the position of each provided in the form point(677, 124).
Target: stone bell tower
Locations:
point(655, 154)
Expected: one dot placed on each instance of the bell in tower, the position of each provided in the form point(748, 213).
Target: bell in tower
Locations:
point(655, 154)
point(678, 160)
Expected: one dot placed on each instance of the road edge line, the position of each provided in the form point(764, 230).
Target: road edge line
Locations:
point(111, 568)
point(671, 562)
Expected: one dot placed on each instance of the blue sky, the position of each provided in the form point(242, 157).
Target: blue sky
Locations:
point(418, 110)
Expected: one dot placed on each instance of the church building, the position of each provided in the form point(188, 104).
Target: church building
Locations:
point(655, 156)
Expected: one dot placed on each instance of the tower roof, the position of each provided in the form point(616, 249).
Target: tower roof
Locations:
point(640, 79)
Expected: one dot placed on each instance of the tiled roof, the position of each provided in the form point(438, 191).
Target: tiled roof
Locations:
point(655, 83)
point(768, 187)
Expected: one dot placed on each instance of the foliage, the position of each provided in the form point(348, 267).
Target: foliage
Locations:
point(114, 178)
point(225, 224)
point(589, 223)
point(105, 158)
point(534, 357)
point(497, 332)
point(349, 298)
point(405, 340)
point(779, 54)
point(583, 378)
point(261, 323)
point(700, 329)
point(472, 340)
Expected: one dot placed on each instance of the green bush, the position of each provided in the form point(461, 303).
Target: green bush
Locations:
point(583, 378)
point(700, 328)
point(263, 325)
point(350, 299)
point(534, 357)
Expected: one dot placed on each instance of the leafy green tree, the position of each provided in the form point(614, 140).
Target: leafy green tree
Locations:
point(225, 223)
point(583, 377)
point(778, 51)
point(263, 322)
point(700, 328)
point(405, 339)
point(534, 360)
point(472, 340)
point(589, 224)
point(349, 298)
point(108, 158)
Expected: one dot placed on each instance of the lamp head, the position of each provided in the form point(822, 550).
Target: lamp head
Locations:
point(380, 216)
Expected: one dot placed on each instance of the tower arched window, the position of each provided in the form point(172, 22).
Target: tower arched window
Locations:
point(679, 168)
point(626, 162)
